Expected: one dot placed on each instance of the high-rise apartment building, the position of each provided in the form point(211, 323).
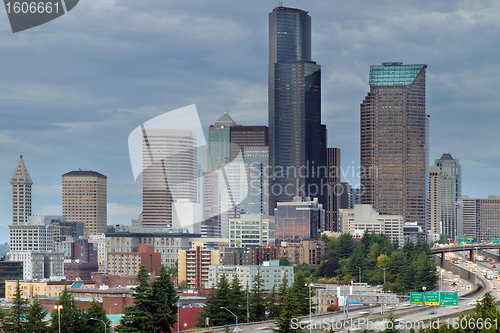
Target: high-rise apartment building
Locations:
point(297, 139)
point(84, 199)
point(394, 142)
point(21, 193)
point(169, 173)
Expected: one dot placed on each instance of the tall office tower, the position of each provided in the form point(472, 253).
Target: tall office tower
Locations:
point(170, 173)
point(21, 193)
point(394, 142)
point(298, 220)
point(335, 189)
point(219, 150)
point(84, 199)
point(247, 136)
point(297, 139)
point(435, 225)
point(450, 177)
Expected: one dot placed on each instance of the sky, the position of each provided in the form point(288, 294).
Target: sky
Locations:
point(73, 89)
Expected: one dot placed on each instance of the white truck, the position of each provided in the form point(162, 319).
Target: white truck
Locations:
point(489, 275)
point(479, 258)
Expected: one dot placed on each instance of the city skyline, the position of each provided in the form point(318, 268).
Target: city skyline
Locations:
point(99, 81)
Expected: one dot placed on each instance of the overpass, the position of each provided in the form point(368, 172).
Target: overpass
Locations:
point(457, 248)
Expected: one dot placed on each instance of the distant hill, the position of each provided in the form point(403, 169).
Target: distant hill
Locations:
point(4, 248)
point(4, 234)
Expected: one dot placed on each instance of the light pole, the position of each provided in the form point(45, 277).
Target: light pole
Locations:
point(223, 307)
point(359, 273)
point(178, 315)
point(58, 308)
point(310, 308)
point(105, 326)
point(384, 273)
point(111, 306)
point(248, 312)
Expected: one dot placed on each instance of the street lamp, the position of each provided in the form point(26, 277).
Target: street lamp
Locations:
point(58, 308)
point(111, 306)
point(223, 307)
point(105, 326)
point(384, 273)
point(359, 273)
point(310, 301)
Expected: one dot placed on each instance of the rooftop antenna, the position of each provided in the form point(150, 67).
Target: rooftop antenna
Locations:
point(280, 4)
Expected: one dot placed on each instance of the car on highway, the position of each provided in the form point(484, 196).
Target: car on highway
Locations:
point(449, 272)
point(493, 287)
point(469, 286)
point(472, 303)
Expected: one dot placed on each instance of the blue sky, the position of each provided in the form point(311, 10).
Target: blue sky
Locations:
point(73, 89)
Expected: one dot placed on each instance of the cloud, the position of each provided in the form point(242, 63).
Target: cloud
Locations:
point(122, 214)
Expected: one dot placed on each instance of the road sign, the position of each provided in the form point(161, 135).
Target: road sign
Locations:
point(449, 298)
point(461, 237)
point(468, 243)
point(460, 243)
point(417, 298)
point(432, 298)
point(495, 240)
point(470, 238)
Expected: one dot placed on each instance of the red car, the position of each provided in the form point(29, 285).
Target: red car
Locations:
point(494, 266)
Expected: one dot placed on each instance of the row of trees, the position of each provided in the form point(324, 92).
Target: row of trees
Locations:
point(261, 304)
point(27, 317)
point(154, 310)
point(378, 260)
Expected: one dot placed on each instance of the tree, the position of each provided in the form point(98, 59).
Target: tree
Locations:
point(289, 311)
point(216, 299)
point(35, 318)
point(272, 307)
point(257, 299)
point(391, 324)
point(14, 321)
point(300, 289)
point(282, 291)
point(329, 268)
point(95, 310)
point(71, 317)
point(284, 261)
point(238, 300)
point(164, 303)
point(138, 318)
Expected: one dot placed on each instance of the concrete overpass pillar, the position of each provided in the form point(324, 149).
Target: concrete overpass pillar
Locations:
point(471, 251)
point(442, 259)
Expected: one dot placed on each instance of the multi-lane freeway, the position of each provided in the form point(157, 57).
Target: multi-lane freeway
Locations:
point(409, 316)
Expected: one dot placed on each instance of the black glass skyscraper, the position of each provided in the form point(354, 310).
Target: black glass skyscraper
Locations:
point(297, 140)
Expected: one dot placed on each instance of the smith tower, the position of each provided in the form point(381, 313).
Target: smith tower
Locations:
point(394, 142)
point(297, 139)
point(21, 193)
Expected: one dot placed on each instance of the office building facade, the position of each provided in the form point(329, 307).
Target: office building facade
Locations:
point(394, 142)
point(169, 173)
point(301, 219)
point(297, 139)
point(84, 199)
point(335, 189)
point(481, 217)
point(251, 230)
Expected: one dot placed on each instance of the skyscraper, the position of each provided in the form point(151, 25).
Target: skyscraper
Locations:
point(21, 193)
point(394, 142)
point(445, 187)
point(297, 139)
point(170, 173)
point(84, 199)
point(335, 189)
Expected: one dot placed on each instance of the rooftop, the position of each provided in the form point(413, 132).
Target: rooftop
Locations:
point(394, 74)
point(85, 173)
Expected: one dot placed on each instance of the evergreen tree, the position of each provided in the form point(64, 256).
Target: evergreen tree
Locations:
point(35, 318)
point(272, 306)
point(138, 318)
point(164, 303)
point(257, 299)
point(14, 321)
point(95, 310)
point(216, 299)
point(289, 311)
point(282, 291)
point(71, 317)
point(300, 289)
point(238, 300)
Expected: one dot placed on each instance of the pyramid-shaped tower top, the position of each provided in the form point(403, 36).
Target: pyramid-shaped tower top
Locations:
point(21, 174)
point(226, 119)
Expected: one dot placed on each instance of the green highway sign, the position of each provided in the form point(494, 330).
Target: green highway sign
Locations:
point(470, 238)
point(449, 298)
point(460, 243)
point(495, 240)
point(468, 243)
point(417, 298)
point(432, 298)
